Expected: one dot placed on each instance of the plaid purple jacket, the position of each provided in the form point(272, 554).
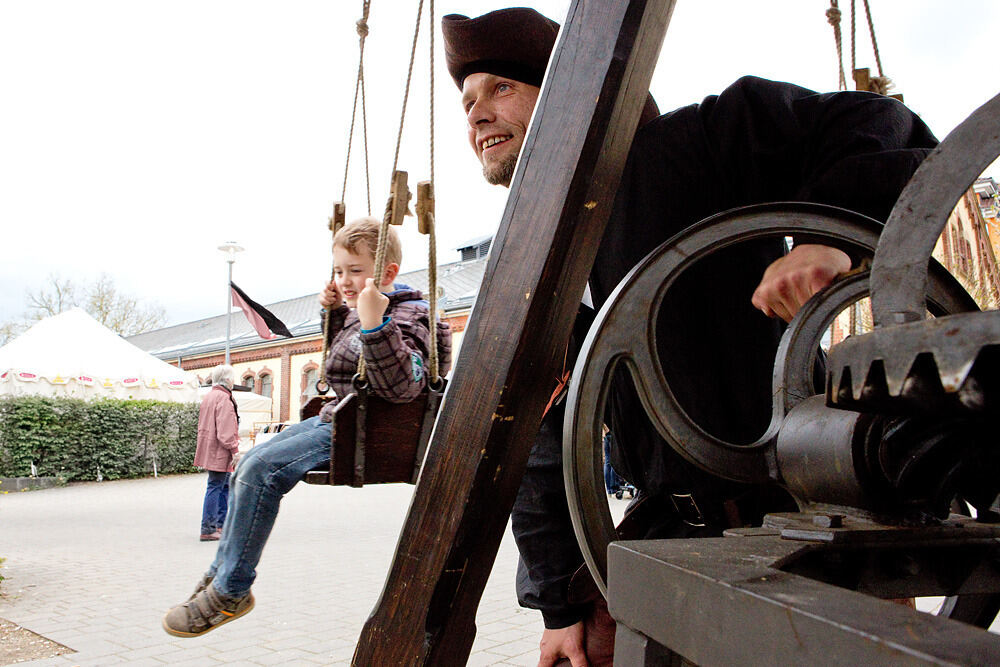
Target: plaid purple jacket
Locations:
point(395, 355)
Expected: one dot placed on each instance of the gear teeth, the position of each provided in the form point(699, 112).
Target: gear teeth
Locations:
point(950, 364)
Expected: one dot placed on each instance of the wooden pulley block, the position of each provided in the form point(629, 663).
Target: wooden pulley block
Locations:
point(425, 207)
point(339, 217)
point(399, 198)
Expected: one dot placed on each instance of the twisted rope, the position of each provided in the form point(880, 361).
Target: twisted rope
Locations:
point(833, 15)
point(432, 236)
point(384, 227)
point(359, 91)
point(881, 83)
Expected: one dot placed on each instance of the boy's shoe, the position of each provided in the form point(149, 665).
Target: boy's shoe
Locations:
point(211, 537)
point(206, 579)
point(205, 611)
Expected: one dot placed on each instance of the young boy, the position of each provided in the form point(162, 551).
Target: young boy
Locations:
point(389, 324)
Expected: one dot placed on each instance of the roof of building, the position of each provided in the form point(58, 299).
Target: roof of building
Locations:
point(458, 284)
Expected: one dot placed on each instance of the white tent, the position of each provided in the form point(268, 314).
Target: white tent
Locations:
point(72, 354)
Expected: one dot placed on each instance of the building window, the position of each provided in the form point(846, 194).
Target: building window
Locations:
point(311, 375)
point(266, 384)
point(248, 380)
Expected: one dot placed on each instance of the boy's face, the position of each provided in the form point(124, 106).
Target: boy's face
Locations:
point(350, 271)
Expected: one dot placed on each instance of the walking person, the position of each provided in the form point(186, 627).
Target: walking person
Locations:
point(218, 449)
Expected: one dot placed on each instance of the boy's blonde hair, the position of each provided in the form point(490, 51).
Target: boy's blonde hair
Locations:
point(365, 230)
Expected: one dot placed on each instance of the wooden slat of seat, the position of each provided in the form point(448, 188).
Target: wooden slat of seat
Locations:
point(391, 442)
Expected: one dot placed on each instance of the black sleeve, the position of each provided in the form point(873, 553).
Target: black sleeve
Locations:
point(759, 141)
point(544, 533)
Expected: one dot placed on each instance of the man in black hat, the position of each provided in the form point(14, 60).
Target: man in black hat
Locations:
point(758, 141)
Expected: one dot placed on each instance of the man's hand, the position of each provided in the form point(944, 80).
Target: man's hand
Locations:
point(589, 643)
point(330, 297)
point(371, 305)
point(563, 643)
point(790, 281)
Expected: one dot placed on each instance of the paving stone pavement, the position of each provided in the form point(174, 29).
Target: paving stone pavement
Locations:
point(94, 566)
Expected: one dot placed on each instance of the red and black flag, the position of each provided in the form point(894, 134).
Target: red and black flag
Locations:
point(261, 319)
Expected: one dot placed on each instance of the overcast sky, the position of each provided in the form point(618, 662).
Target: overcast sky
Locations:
point(137, 136)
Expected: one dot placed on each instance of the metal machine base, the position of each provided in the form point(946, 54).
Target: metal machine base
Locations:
point(738, 600)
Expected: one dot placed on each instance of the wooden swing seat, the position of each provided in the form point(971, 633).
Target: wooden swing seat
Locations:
point(373, 441)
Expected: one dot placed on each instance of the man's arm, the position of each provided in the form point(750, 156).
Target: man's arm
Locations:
point(544, 533)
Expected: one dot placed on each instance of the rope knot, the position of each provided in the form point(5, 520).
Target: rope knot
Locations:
point(881, 85)
point(362, 28)
point(833, 16)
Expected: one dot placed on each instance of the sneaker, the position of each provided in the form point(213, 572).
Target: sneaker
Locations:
point(206, 579)
point(211, 537)
point(205, 611)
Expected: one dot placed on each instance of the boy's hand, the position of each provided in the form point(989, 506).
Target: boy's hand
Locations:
point(371, 305)
point(330, 297)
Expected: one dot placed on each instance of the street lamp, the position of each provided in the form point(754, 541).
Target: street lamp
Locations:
point(230, 248)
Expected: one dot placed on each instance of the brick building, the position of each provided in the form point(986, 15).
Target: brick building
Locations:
point(286, 369)
point(968, 248)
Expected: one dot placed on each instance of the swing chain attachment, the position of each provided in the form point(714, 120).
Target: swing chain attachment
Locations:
point(360, 382)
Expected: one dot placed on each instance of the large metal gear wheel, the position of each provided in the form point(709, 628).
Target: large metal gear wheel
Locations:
point(612, 342)
point(908, 365)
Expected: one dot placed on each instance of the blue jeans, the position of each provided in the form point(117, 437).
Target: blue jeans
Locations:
point(612, 482)
point(263, 476)
point(213, 511)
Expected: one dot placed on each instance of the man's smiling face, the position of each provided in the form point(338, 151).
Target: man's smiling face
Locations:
point(498, 111)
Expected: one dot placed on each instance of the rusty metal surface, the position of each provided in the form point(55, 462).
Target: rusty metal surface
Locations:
point(944, 365)
point(723, 602)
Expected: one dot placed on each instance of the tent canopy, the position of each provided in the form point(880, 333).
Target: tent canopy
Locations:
point(72, 354)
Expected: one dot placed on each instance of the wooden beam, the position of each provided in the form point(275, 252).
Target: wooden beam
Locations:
point(559, 203)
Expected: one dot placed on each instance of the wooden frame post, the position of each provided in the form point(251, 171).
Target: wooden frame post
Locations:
point(560, 200)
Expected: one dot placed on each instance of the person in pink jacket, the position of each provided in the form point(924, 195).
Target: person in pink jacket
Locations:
point(218, 449)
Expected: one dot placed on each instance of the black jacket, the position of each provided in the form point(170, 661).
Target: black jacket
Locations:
point(759, 141)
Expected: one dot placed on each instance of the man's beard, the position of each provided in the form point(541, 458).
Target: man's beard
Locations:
point(502, 173)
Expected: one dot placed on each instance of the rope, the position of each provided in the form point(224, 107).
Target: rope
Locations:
point(871, 31)
point(384, 228)
point(383, 231)
point(432, 236)
point(359, 90)
point(854, 64)
point(881, 83)
point(833, 18)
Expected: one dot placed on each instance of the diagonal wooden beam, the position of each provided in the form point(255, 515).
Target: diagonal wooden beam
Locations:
point(559, 203)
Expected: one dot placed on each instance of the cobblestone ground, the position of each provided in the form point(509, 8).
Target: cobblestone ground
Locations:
point(94, 566)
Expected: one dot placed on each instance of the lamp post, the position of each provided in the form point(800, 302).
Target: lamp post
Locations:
point(230, 248)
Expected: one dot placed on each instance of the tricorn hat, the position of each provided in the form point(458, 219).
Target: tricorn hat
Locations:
point(515, 43)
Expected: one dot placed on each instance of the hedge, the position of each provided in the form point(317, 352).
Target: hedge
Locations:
point(108, 438)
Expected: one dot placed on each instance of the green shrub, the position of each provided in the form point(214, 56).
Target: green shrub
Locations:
point(74, 439)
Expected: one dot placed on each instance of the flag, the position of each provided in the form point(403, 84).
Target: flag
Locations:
point(261, 319)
